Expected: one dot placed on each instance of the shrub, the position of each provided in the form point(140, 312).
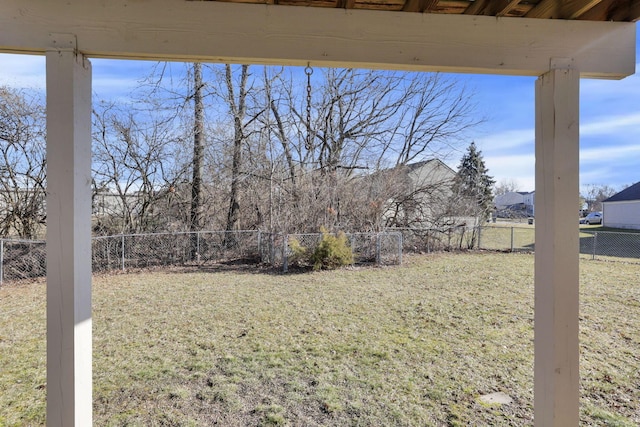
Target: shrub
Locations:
point(299, 254)
point(332, 252)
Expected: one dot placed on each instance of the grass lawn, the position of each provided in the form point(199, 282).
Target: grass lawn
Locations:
point(414, 345)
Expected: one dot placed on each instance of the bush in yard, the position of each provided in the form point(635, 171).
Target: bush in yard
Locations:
point(299, 254)
point(332, 252)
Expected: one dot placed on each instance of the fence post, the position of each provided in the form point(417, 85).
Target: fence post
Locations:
point(400, 239)
point(512, 238)
point(122, 250)
point(479, 237)
point(285, 255)
point(595, 243)
point(198, 247)
point(1, 260)
point(260, 245)
point(272, 253)
point(378, 249)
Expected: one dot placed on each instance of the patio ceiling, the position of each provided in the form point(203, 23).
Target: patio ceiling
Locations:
point(592, 10)
point(452, 36)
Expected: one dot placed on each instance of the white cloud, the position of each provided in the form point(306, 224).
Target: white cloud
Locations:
point(610, 153)
point(506, 140)
point(22, 71)
point(519, 167)
point(610, 124)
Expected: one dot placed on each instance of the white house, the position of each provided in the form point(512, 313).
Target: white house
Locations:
point(622, 210)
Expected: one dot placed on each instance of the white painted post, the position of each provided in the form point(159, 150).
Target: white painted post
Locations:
point(556, 382)
point(69, 341)
point(512, 230)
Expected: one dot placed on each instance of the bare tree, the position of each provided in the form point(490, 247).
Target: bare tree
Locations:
point(505, 186)
point(22, 165)
point(594, 195)
point(361, 122)
point(135, 170)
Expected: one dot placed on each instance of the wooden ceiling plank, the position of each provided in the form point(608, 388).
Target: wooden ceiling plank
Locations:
point(599, 12)
point(613, 10)
point(419, 5)
point(345, 4)
point(556, 9)
point(628, 11)
point(476, 7)
point(634, 11)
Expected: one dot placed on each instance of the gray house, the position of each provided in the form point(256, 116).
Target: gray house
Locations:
point(516, 204)
point(622, 210)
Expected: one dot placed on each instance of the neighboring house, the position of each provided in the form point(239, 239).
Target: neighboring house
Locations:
point(515, 204)
point(622, 210)
point(422, 195)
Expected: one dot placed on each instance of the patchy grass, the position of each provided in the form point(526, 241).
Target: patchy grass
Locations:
point(410, 345)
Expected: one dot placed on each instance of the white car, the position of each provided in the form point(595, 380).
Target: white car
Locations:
point(593, 218)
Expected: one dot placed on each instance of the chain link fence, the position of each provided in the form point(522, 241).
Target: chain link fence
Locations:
point(603, 245)
point(610, 245)
point(26, 259)
point(22, 259)
point(383, 248)
point(166, 249)
point(420, 240)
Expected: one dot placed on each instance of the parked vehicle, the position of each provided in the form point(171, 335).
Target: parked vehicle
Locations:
point(593, 218)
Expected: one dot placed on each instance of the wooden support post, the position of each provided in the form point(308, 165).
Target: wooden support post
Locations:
point(69, 352)
point(556, 388)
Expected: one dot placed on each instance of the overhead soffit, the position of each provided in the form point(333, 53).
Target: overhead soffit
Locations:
point(592, 10)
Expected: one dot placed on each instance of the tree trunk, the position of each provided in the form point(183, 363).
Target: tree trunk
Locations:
point(196, 182)
point(238, 110)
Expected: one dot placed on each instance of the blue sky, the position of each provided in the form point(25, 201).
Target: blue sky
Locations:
point(609, 117)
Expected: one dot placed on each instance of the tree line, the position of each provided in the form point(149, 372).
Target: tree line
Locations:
point(230, 147)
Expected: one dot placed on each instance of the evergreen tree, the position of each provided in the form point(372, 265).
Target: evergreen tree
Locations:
point(473, 185)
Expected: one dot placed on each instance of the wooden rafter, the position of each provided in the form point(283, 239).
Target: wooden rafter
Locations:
point(568, 9)
point(502, 7)
point(613, 10)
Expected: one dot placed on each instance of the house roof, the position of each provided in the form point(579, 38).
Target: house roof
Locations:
point(437, 162)
point(628, 194)
point(606, 10)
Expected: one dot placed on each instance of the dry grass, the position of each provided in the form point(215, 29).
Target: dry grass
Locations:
point(410, 345)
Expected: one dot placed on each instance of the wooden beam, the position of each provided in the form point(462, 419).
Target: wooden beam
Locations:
point(476, 7)
point(556, 376)
point(69, 353)
point(419, 5)
point(502, 7)
point(269, 34)
point(566, 9)
point(627, 10)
